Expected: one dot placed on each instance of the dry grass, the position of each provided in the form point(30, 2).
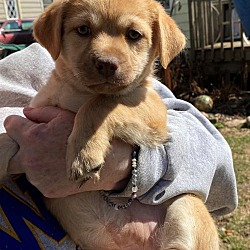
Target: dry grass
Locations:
point(234, 229)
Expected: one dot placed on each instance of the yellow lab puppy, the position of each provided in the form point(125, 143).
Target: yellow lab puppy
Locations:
point(104, 52)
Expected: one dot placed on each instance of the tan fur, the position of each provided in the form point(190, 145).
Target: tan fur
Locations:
point(188, 225)
point(106, 78)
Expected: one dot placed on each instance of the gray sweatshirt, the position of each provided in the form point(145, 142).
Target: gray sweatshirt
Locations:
point(196, 159)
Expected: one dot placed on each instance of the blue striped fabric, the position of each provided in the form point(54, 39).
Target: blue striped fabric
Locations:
point(25, 223)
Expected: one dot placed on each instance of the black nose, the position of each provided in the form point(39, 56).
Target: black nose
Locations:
point(106, 68)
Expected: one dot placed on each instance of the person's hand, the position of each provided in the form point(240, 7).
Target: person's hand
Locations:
point(43, 140)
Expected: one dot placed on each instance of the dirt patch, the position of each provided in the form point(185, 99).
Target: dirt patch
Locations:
point(235, 132)
point(247, 151)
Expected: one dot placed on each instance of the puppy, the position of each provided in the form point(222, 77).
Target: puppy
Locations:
point(104, 53)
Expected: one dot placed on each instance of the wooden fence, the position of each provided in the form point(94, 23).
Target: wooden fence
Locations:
point(216, 32)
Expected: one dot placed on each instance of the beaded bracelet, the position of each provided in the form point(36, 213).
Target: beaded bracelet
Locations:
point(106, 194)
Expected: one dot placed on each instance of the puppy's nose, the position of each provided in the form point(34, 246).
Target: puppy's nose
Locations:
point(106, 68)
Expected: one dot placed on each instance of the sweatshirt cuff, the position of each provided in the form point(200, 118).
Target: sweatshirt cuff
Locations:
point(152, 166)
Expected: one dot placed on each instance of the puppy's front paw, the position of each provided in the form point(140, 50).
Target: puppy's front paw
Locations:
point(83, 164)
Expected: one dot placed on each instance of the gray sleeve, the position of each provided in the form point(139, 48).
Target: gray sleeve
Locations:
point(24, 72)
point(21, 75)
point(196, 159)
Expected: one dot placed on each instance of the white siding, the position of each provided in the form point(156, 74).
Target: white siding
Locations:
point(30, 8)
point(27, 8)
point(181, 17)
point(2, 11)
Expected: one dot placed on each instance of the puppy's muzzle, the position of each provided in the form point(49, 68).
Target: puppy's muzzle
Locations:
point(106, 67)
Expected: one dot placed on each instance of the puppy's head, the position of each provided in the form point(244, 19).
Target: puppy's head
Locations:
point(108, 46)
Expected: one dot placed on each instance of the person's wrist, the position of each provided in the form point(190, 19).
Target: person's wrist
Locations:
point(121, 184)
point(134, 188)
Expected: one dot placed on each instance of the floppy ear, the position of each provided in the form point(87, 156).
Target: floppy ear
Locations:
point(48, 28)
point(169, 38)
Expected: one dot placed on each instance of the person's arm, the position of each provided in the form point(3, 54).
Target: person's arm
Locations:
point(43, 141)
point(196, 159)
point(43, 148)
point(21, 76)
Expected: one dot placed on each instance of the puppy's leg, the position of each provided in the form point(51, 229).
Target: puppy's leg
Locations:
point(8, 149)
point(189, 226)
point(104, 118)
point(87, 144)
point(86, 151)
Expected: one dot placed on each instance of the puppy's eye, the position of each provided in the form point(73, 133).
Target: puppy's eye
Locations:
point(83, 30)
point(134, 35)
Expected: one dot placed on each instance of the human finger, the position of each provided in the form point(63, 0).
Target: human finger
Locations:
point(14, 124)
point(42, 114)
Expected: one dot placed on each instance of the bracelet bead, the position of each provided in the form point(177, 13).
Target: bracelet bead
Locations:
point(106, 194)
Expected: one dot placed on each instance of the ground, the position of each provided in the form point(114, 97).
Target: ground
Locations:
point(234, 229)
point(230, 110)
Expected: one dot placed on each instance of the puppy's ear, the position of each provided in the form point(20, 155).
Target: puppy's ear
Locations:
point(48, 28)
point(169, 38)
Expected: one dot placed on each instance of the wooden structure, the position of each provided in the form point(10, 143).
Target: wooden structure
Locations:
point(212, 28)
point(216, 34)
